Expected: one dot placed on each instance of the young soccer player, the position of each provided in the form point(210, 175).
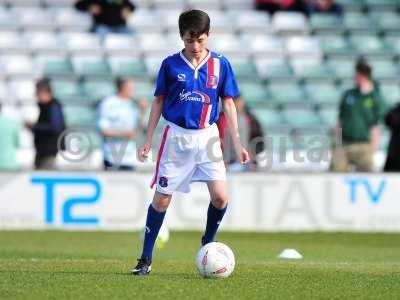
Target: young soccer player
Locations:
point(189, 86)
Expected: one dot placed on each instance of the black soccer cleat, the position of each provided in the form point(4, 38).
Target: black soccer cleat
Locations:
point(143, 267)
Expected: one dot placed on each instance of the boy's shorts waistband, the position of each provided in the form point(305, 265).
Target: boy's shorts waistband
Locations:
point(192, 131)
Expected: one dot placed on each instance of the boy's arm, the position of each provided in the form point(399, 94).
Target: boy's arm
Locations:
point(231, 115)
point(154, 117)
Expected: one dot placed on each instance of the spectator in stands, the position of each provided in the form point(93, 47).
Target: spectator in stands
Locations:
point(120, 123)
point(392, 120)
point(48, 128)
point(9, 143)
point(272, 6)
point(109, 16)
point(251, 134)
point(326, 6)
point(360, 111)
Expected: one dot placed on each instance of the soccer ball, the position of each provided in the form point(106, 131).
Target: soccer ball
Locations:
point(162, 238)
point(215, 260)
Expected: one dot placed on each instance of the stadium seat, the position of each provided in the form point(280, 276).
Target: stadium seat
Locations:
point(59, 3)
point(153, 64)
point(325, 23)
point(8, 19)
point(144, 89)
point(254, 93)
point(120, 44)
point(205, 5)
point(157, 44)
point(370, 45)
point(143, 21)
point(243, 5)
point(17, 65)
point(329, 116)
point(351, 5)
point(26, 3)
point(303, 47)
point(384, 69)
point(221, 22)
point(36, 19)
point(269, 118)
point(335, 45)
point(96, 90)
point(356, 22)
point(302, 118)
point(69, 20)
point(5, 95)
point(171, 20)
point(82, 43)
point(54, 66)
point(343, 68)
point(387, 21)
point(262, 46)
point(23, 90)
point(45, 43)
point(251, 22)
point(382, 5)
point(76, 116)
point(228, 44)
point(287, 93)
point(244, 69)
point(323, 93)
point(393, 41)
point(289, 23)
point(169, 4)
point(390, 92)
point(273, 68)
point(90, 65)
point(311, 69)
point(12, 42)
point(69, 91)
point(128, 66)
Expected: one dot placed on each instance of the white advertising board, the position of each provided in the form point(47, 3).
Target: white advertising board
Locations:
point(260, 202)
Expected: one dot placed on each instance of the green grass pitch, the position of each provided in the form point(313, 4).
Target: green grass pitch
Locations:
point(94, 265)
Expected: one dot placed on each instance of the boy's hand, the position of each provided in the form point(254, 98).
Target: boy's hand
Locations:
point(242, 154)
point(143, 151)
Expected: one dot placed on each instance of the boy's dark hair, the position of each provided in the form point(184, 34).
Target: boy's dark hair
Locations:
point(44, 84)
point(363, 68)
point(119, 83)
point(196, 22)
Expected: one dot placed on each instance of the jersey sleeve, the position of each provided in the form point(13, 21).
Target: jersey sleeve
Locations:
point(161, 83)
point(229, 87)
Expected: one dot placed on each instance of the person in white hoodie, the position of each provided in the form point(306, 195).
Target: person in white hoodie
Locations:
point(119, 124)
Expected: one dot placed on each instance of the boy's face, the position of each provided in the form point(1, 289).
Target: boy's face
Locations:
point(195, 46)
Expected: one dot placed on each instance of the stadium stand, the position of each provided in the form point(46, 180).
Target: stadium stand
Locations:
point(291, 68)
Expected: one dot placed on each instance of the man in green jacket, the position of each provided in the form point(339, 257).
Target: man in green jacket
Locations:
point(9, 143)
point(361, 110)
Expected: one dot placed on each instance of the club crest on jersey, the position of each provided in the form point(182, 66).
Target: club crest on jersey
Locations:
point(181, 77)
point(163, 181)
point(195, 96)
point(213, 69)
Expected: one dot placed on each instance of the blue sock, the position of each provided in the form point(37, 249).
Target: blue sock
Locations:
point(214, 217)
point(153, 224)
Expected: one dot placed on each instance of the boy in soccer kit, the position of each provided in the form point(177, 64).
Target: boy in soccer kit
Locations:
point(189, 86)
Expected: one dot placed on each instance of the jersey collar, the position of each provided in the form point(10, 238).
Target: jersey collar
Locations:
point(196, 69)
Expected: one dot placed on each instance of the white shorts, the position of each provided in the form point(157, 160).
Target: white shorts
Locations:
point(188, 155)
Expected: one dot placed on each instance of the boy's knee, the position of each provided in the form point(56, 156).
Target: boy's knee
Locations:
point(161, 202)
point(219, 202)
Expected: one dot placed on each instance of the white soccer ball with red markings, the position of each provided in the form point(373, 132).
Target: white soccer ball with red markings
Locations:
point(215, 260)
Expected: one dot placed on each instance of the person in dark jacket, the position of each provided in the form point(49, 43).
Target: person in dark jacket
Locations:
point(48, 128)
point(109, 16)
point(392, 120)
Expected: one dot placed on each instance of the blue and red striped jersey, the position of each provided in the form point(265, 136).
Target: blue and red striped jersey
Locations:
point(191, 94)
